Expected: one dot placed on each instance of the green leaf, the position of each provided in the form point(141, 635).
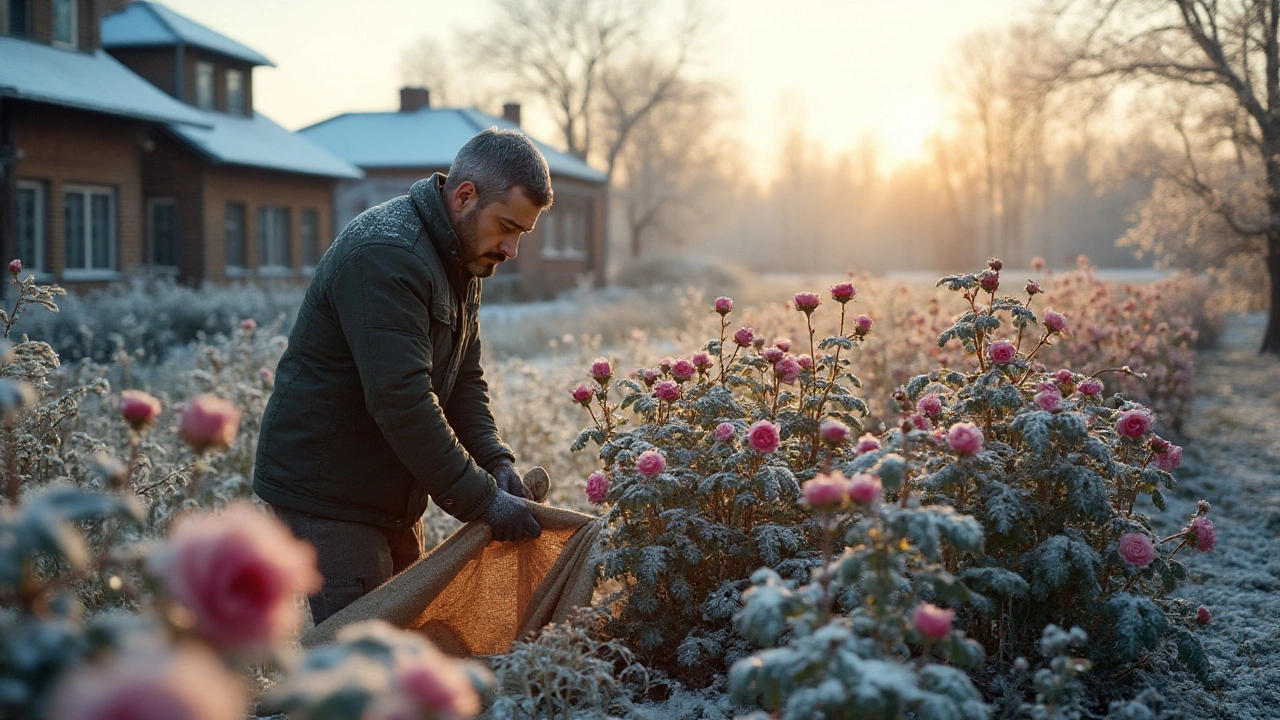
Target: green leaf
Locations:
point(996, 580)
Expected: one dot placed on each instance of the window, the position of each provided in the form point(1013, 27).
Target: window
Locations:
point(273, 238)
point(64, 23)
point(235, 92)
point(29, 217)
point(310, 228)
point(162, 232)
point(19, 18)
point(89, 228)
point(565, 229)
point(204, 85)
point(233, 223)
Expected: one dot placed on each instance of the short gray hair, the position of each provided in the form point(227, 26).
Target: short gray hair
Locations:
point(496, 161)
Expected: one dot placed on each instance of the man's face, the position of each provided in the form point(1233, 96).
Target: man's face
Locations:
point(490, 235)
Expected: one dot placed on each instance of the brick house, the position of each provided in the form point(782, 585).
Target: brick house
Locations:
point(395, 149)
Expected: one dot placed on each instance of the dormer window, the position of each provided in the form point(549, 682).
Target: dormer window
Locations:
point(235, 92)
point(204, 85)
point(64, 23)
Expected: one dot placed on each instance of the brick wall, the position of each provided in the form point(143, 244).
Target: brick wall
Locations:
point(171, 170)
point(155, 65)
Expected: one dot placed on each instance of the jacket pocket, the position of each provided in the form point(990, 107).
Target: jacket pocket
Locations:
point(335, 594)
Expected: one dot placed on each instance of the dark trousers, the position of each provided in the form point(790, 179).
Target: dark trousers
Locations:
point(354, 558)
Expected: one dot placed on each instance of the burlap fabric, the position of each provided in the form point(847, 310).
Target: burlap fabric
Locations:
point(473, 596)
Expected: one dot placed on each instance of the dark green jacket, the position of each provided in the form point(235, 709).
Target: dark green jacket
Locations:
point(379, 399)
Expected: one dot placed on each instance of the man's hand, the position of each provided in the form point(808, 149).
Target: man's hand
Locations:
point(510, 518)
point(504, 471)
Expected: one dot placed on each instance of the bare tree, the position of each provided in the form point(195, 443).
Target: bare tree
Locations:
point(430, 63)
point(1221, 58)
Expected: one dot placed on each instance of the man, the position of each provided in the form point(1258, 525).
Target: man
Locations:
point(380, 402)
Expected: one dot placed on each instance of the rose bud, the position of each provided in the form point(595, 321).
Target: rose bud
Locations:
point(248, 325)
point(862, 325)
point(601, 370)
point(867, 443)
point(667, 391)
point(702, 361)
point(807, 302)
point(1055, 321)
point(783, 344)
point(965, 438)
point(743, 337)
point(805, 361)
point(582, 395)
point(865, 489)
point(15, 267)
point(1203, 616)
point(725, 431)
point(833, 432)
point(1200, 534)
point(1033, 288)
point(989, 281)
point(139, 409)
point(724, 305)
point(826, 491)
point(1090, 387)
point(772, 355)
point(929, 405)
point(995, 264)
point(683, 370)
point(843, 292)
point(209, 422)
point(932, 621)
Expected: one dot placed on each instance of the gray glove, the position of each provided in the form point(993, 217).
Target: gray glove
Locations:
point(510, 518)
point(504, 471)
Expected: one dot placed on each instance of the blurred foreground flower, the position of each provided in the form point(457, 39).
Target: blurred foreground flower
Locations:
point(209, 422)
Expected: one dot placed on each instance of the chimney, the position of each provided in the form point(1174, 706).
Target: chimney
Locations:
point(511, 111)
point(414, 98)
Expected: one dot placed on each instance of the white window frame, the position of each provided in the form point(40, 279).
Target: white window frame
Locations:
point(267, 234)
point(71, 44)
point(39, 266)
point(152, 203)
point(89, 272)
point(226, 81)
point(237, 271)
point(202, 65)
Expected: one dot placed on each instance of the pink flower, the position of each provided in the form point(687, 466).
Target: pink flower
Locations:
point(1170, 459)
point(807, 302)
point(865, 489)
point(763, 436)
point(184, 682)
point(743, 337)
point(1064, 377)
point(248, 325)
point(1203, 616)
point(833, 432)
point(15, 267)
point(1037, 264)
point(237, 573)
point(1001, 352)
point(1055, 321)
point(209, 422)
point(1090, 386)
point(438, 686)
point(601, 370)
point(1033, 288)
point(1134, 423)
point(683, 370)
point(702, 360)
point(995, 264)
point(932, 621)
point(650, 463)
point(724, 305)
point(990, 281)
point(787, 369)
point(582, 395)
point(667, 390)
point(664, 365)
point(843, 292)
point(1049, 400)
point(1136, 549)
point(805, 361)
point(267, 377)
point(920, 422)
point(782, 344)
point(138, 408)
point(826, 491)
point(725, 431)
point(867, 443)
point(649, 376)
point(862, 325)
point(772, 355)
point(597, 487)
point(929, 405)
point(1200, 534)
point(965, 438)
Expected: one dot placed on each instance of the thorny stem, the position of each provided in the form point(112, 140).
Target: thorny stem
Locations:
point(831, 381)
point(17, 307)
point(724, 324)
point(1126, 370)
point(1044, 340)
point(152, 486)
point(971, 297)
point(1018, 344)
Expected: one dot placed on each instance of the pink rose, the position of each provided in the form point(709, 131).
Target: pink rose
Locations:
point(725, 431)
point(649, 376)
point(920, 422)
point(15, 267)
point(1055, 321)
point(702, 361)
point(932, 621)
point(867, 443)
point(437, 686)
point(807, 302)
point(1136, 549)
point(683, 370)
point(597, 487)
point(1033, 288)
point(724, 305)
point(782, 344)
point(1203, 616)
point(1170, 459)
point(787, 369)
point(1134, 423)
point(865, 489)
point(772, 355)
point(601, 370)
point(929, 405)
point(833, 432)
point(1200, 534)
point(826, 491)
point(763, 436)
point(582, 395)
point(843, 292)
point(862, 325)
point(1001, 352)
point(990, 281)
point(139, 409)
point(805, 361)
point(667, 390)
point(1064, 377)
point(743, 337)
point(249, 325)
point(1049, 400)
point(965, 438)
point(209, 422)
point(237, 573)
point(1090, 387)
point(187, 681)
point(650, 463)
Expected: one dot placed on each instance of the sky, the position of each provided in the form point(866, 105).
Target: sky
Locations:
point(844, 69)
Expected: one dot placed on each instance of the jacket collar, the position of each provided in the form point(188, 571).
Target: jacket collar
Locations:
point(427, 198)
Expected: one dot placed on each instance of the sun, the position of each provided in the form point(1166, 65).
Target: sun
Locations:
point(907, 123)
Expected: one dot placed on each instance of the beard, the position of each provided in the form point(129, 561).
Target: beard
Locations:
point(481, 265)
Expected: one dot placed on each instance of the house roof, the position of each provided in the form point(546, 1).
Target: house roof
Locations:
point(425, 138)
point(259, 142)
point(87, 81)
point(149, 24)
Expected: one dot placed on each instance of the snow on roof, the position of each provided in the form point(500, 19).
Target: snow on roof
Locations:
point(146, 24)
point(96, 82)
point(425, 138)
point(259, 142)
